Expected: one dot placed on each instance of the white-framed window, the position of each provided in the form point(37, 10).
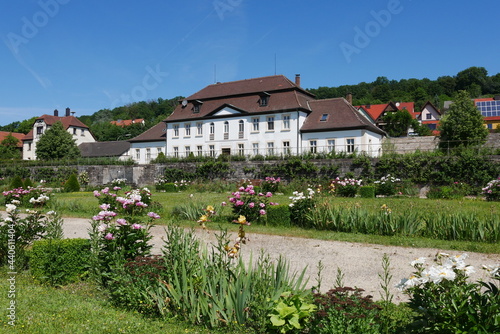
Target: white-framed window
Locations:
point(199, 129)
point(148, 154)
point(286, 122)
point(286, 147)
point(349, 145)
point(158, 151)
point(264, 100)
point(74, 131)
point(241, 149)
point(199, 148)
point(82, 132)
point(187, 149)
point(270, 148)
point(428, 116)
point(39, 130)
point(211, 150)
point(176, 152)
point(255, 124)
point(176, 130)
point(29, 146)
point(137, 154)
point(270, 123)
point(330, 145)
point(212, 131)
point(255, 148)
point(187, 129)
point(313, 146)
point(226, 130)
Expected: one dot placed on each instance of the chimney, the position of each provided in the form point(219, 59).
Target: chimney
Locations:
point(297, 79)
point(349, 98)
point(67, 111)
point(56, 112)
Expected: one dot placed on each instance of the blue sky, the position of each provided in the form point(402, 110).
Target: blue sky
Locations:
point(90, 55)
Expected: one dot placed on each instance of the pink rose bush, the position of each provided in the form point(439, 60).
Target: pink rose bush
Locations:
point(120, 230)
point(250, 204)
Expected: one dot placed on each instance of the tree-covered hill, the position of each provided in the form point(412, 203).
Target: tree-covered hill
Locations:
point(474, 80)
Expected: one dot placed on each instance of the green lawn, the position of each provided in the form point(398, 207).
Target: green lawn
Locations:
point(76, 308)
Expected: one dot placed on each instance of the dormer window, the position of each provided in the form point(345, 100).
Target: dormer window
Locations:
point(197, 106)
point(264, 99)
point(324, 118)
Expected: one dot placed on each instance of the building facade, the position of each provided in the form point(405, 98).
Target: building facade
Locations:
point(73, 125)
point(266, 116)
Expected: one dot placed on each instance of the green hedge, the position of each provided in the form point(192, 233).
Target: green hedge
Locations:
point(278, 215)
point(367, 192)
point(167, 187)
point(59, 262)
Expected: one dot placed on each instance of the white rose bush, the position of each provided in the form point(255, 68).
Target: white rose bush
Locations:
point(446, 302)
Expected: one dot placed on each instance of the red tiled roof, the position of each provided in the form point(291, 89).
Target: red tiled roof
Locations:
point(492, 118)
point(19, 136)
point(50, 120)
point(376, 110)
point(278, 100)
point(484, 99)
point(341, 115)
point(247, 86)
point(127, 122)
point(156, 133)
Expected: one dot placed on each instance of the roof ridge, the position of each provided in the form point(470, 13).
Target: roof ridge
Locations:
point(251, 79)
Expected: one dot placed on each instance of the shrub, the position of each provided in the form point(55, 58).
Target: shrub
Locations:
point(492, 190)
point(271, 184)
point(27, 183)
point(386, 186)
point(345, 310)
point(367, 192)
point(20, 233)
point(16, 182)
point(59, 262)
point(347, 187)
point(247, 202)
point(446, 302)
point(72, 185)
point(278, 215)
point(301, 208)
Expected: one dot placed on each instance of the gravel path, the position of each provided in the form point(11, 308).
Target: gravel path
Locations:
point(360, 263)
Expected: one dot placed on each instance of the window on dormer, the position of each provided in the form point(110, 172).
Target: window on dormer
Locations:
point(264, 99)
point(197, 106)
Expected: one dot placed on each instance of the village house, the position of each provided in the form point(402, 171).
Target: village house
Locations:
point(73, 125)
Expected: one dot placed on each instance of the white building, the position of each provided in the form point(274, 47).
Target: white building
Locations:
point(73, 125)
point(266, 116)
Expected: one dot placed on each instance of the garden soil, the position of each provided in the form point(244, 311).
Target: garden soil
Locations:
point(361, 264)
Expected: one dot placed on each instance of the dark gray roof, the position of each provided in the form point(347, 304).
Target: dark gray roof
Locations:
point(104, 149)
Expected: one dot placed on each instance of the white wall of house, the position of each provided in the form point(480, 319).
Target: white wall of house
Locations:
point(429, 114)
point(81, 135)
point(348, 141)
point(144, 152)
point(246, 134)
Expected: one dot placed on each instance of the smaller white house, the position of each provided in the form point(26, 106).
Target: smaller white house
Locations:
point(73, 125)
point(148, 145)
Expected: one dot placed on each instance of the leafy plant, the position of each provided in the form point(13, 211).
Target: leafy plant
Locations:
point(345, 310)
point(290, 313)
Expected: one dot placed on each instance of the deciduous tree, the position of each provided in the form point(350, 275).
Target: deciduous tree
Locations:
point(56, 143)
point(462, 125)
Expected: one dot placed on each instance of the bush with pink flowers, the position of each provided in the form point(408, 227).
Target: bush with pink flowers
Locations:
point(247, 202)
point(120, 231)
